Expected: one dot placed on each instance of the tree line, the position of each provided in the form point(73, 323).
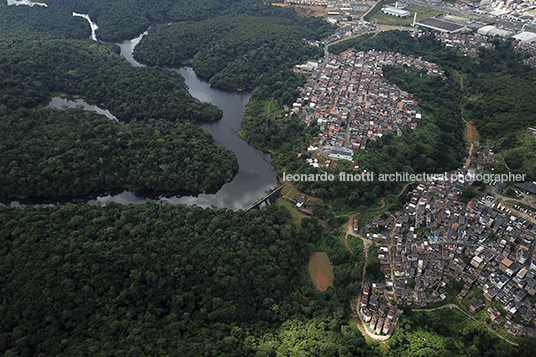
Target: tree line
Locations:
point(54, 153)
point(125, 19)
point(233, 52)
point(51, 153)
point(32, 71)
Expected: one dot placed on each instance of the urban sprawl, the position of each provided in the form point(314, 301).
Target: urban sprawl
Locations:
point(486, 246)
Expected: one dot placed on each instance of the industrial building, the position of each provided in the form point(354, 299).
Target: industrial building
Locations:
point(341, 153)
point(526, 37)
point(494, 31)
point(440, 25)
point(394, 11)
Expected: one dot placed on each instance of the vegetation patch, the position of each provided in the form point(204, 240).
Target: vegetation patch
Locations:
point(234, 52)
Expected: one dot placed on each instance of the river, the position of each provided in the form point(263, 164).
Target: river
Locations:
point(25, 2)
point(255, 174)
point(60, 103)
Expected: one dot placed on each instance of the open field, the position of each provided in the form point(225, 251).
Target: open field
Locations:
point(321, 271)
point(422, 13)
point(296, 215)
point(290, 192)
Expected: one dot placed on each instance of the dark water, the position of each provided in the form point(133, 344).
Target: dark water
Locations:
point(255, 174)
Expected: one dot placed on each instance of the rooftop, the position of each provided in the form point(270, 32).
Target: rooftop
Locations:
point(526, 37)
point(440, 25)
point(396, 11)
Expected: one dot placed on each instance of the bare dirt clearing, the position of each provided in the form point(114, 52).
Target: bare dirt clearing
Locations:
point(321, 271)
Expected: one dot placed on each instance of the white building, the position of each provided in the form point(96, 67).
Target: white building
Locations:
point(494, 31)
point(394, 11)
point(526, 37)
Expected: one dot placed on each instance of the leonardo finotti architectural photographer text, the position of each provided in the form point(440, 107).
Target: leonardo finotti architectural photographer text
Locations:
point(404, 177)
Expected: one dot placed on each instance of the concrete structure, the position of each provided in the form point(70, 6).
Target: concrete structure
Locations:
point(373, 322)
point(386, 327)
point(440, 25)
point(365, 313)
point(394, 11)
point(379, 326)
point(341, 153)
point(527, 187)
point(526, 37)
point(494, 31)
point(476, 261)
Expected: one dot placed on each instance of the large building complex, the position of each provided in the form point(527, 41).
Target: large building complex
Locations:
point(395, 11)
point(440, 25)
point(494, 31)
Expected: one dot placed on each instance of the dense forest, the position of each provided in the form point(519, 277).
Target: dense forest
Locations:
point(234, 52)
point(33, 70)
point(51, 153)
point(158, 279)
point(20, 23)
point(54, 152)
point(124, 19)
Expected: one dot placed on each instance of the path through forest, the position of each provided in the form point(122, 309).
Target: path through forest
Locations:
point(454, 306)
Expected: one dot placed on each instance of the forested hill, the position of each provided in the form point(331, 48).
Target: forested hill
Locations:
point(234, 52)
point(21, 23)
point(52, 153)
point(154, 280)
point(31, 71)
point(125, 19)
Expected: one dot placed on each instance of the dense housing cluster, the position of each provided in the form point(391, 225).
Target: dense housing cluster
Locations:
point(379, 315)
point(349, 100)
point(468, 43)
point(484, 245)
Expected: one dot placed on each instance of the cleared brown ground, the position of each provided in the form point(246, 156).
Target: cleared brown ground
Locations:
point(471, 135)
point(311, 11)
point(321, 271)
point(390, 27)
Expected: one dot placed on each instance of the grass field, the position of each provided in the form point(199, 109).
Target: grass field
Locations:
point(422, 13)
point(296, 215)
point(321, 271)
point(290, 192)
